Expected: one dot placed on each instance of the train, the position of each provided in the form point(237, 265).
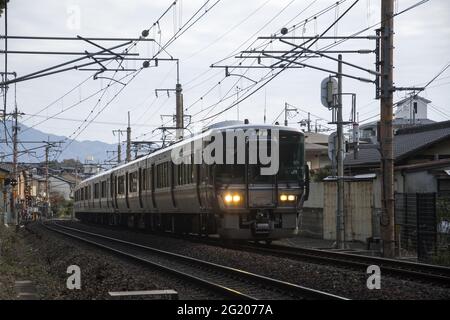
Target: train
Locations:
point(233, 200)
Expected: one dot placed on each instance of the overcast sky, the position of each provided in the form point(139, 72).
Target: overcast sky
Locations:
point(422, 48)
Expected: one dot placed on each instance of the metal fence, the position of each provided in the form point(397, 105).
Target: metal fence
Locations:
point(422, 224)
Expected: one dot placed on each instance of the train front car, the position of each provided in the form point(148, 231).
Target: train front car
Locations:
point(260, 198)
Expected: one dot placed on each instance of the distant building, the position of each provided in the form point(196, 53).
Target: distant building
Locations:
point(412, 108)
point(316, 150)
point(410, 112)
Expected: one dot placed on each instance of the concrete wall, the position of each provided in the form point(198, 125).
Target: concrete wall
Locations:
point(311, 217)
point(360, 210)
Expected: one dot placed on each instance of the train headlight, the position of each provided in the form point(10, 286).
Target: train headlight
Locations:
point(232, 198)
point(228, 198)
point(286, 197)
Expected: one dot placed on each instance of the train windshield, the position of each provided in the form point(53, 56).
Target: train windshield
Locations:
point(290, 164)
point(291, 156)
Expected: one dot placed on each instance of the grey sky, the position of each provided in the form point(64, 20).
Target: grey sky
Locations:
point(422, 44)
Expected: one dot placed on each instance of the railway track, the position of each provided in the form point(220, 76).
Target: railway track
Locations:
point(403, 269)
point(229, 282)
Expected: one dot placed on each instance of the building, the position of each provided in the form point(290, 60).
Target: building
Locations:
point(410, 112)
point(316, 150)
point(418, 151)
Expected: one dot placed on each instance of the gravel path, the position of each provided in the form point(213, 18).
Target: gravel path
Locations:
point(351, 284)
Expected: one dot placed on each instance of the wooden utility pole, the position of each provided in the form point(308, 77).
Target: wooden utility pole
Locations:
point(386, 130)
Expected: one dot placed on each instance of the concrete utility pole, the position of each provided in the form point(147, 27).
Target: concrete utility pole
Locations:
point(128, 139)
point(340, 223)
point(47, 186)
point(119, 148)
point(179, 112)
point(386, 130)
point(14, 212)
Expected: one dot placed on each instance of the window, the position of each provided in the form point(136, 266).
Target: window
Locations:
point(132, 181)
point(184, 174)
point(121, 185)
point(162, 173)
point(103, 192)
point(96, 191)
point(144, 179)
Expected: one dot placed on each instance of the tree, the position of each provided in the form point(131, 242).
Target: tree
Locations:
point(2, 6)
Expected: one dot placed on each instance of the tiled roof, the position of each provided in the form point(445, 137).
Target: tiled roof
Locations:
point(406, 142)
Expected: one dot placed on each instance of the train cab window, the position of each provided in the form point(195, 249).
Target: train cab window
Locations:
point(230, 173)
point(103, 189)
point(291, 157)
point(133, 181)
point(121, 185)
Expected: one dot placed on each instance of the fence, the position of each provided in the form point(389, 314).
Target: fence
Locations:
point(422, 224)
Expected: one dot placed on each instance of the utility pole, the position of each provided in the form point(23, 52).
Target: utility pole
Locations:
point(309, 122)
point(179, 112)
point(128, 139)
point(386, 130)
point(14, 212)
point(119, 148)
point(285, 114)
point(47, 187)
point(340, 223)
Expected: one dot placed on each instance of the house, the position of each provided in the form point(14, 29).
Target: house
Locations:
point(316, 150)
point(410, 112)
point(422, 156)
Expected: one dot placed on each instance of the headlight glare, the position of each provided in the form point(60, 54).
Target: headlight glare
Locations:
point(228, 198)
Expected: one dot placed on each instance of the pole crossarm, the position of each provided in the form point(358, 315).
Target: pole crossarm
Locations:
point(73, 38)
point(54, 69)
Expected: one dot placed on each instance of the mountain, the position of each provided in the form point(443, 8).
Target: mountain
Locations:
point(71, 149)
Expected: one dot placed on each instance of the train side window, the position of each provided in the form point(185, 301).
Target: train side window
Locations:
point(132, 182)
point(121, 185)
point(96, 193)
point(103, 190)
point(144, 179)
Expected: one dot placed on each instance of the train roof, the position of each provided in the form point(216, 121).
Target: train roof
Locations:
point(218, 127)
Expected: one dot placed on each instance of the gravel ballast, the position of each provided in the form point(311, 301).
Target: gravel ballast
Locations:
point(339, 281)
point(43, 258)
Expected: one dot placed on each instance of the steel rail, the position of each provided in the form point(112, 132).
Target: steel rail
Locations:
point(249, 279)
